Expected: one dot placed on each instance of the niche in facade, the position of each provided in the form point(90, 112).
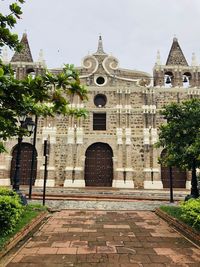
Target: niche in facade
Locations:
point(168, 79)
point(186, 79)
point(31, 72)
point(100, 100)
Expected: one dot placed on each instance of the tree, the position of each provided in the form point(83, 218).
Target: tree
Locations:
point(181, 138)
point(44, 95)
point(7, 22)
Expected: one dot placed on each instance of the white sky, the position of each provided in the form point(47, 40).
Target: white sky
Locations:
point(132, 30)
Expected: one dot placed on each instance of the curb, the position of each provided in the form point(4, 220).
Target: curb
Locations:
point(22, 233)
point(181, 227)
point(104, 197)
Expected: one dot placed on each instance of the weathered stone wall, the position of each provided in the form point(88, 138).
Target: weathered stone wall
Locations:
point(132, 122)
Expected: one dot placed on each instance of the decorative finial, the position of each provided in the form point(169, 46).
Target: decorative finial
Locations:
point(175, 39)
point(194, 60)
point(41, 57)
point(158, 61)
point(25, 32)
point(100, 46)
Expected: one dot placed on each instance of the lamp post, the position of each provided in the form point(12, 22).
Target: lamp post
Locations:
point(171, 184)
point(28, 124)
point(33, 157)
point(74, 154)
point(194, 183)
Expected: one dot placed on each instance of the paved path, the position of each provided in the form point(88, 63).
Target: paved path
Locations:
point(106, 239)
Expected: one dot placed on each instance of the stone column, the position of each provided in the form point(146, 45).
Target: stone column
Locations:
point(118, 175)
point(151, 171)
point(74, 170)
point(129, 171)
point(48, 133)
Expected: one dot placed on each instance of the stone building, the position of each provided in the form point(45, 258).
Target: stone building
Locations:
point(114, 146)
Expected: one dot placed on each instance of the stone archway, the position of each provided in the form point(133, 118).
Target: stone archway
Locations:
point(179, 176)
point(25, 164)
point(99, 165)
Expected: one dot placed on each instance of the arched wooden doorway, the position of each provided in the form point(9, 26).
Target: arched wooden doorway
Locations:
point(25, 164)
point(99, 165)
point(178, 176)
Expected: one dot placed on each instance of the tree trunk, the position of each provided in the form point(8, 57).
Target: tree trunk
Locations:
point(194, 188)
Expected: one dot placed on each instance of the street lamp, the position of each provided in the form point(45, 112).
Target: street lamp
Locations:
point(25, 123)
point(74, 154)
point(33, 157)
point(171, 184)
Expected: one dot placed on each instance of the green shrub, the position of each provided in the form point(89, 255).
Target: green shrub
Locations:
point(191, 212)
point(7, 192)
point(10, 212)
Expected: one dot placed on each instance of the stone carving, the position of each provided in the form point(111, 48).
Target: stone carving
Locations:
point(144, 82)
point(90, 63)
point(110, 64)
point(149, 109)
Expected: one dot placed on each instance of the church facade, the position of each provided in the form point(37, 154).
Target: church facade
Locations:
point(114, 145)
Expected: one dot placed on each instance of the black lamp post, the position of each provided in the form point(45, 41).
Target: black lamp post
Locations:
point(28, 124)
point(74, 153)
point(33, 157)
point(171, 184)
point(194, 183)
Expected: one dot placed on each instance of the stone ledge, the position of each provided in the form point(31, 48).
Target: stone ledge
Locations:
point(183, 228)
point(27, 229)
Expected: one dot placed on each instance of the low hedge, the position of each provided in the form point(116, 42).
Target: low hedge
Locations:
point(11, 209)
point(187, 212)
point(191, 212)
point(7, 192)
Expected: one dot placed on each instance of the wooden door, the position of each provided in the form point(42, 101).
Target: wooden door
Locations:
point(178, 176)
point(99, 165)
point(25, 164)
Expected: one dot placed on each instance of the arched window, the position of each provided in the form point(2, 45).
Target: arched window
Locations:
point(186, 79)
point(100, 100)
point(31, 72)
point(168, 79)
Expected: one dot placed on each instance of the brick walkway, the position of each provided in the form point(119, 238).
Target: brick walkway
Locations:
point(106, 239)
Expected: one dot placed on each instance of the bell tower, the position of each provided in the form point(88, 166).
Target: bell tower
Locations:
point(22, 62)
point(176, 72)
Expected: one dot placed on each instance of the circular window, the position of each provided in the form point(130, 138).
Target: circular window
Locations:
point(100, 100)
point(100, 80)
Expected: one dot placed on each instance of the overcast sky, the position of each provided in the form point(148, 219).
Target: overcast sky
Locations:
point(132, 30)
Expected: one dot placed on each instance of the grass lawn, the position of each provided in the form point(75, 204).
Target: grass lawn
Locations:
point(177, 212)
point(30, 212)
